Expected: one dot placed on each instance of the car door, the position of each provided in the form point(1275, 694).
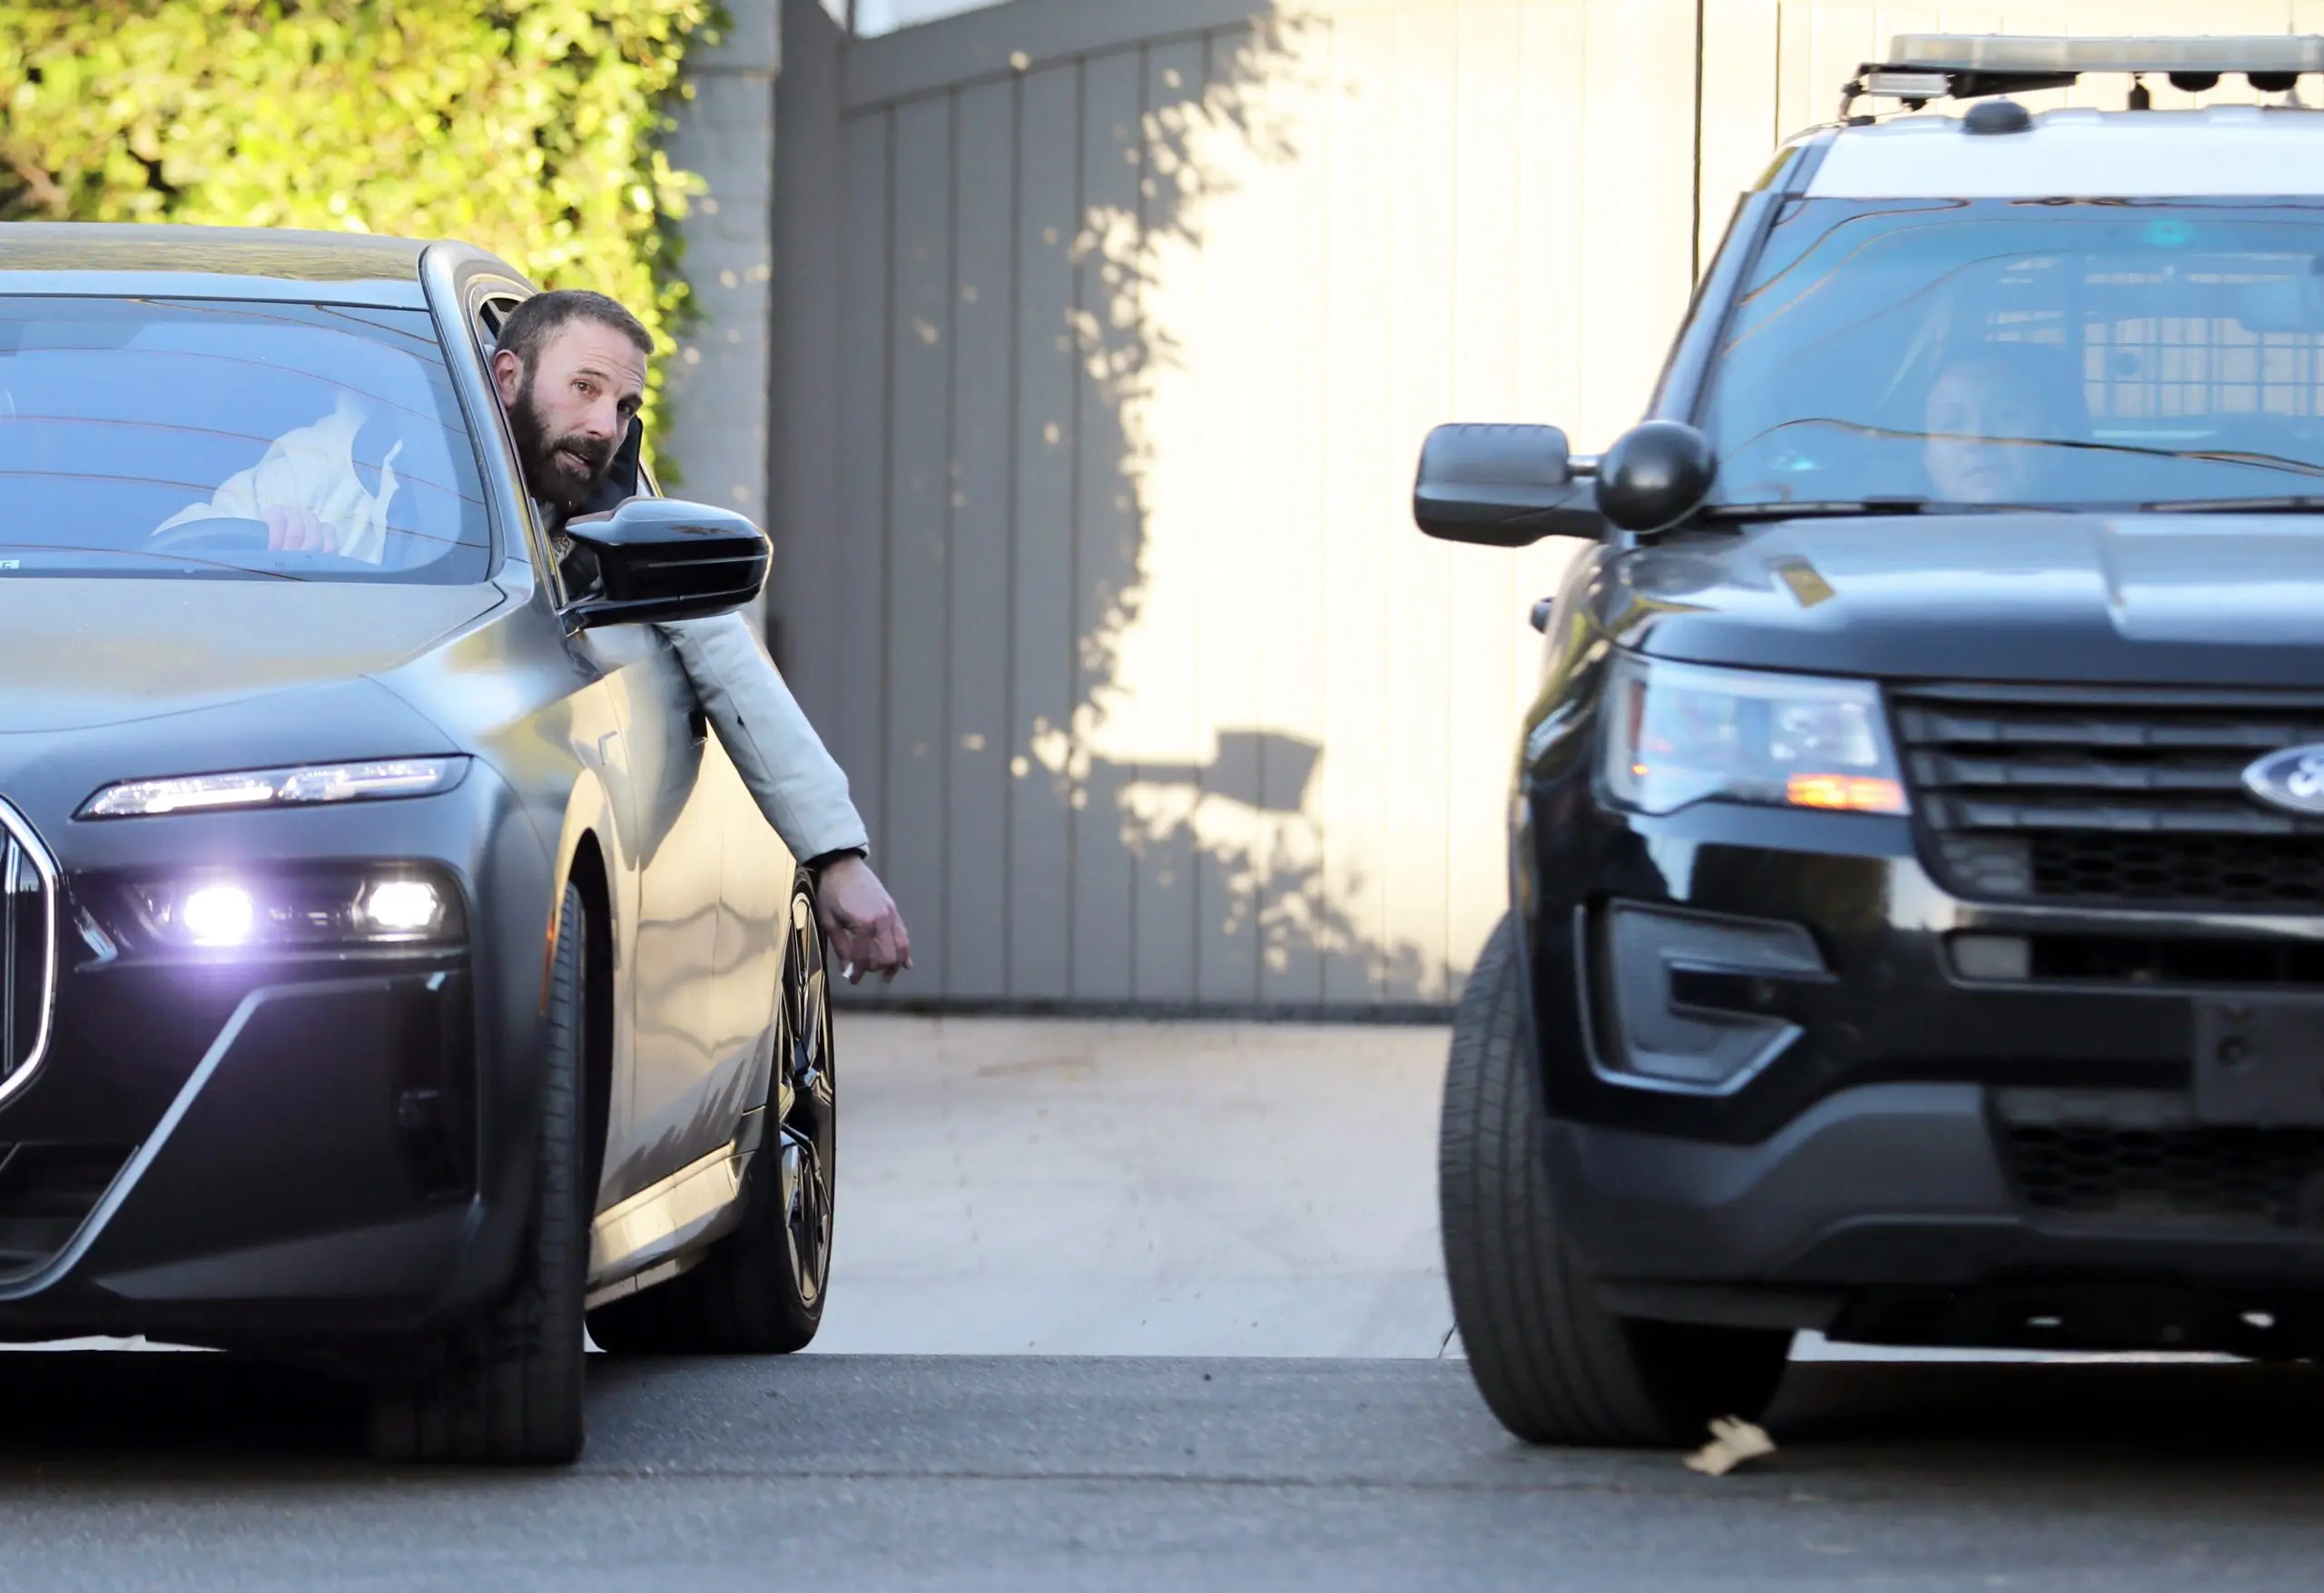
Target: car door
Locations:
point(675, 806)
point(747, 950)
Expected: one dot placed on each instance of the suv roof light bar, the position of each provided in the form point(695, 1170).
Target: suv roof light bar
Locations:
point(1928, 66)
point(2021, 54)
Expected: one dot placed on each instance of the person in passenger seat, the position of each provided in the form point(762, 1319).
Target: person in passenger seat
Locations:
point(570, 369)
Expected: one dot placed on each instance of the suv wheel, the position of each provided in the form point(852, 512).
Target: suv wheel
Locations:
point(1555, 1366)
point(759, 1289)
point(508, 1389)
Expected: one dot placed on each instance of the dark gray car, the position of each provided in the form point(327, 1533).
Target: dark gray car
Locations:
point(392, 968)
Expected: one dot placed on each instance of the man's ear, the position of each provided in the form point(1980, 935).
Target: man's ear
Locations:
point(508, 376)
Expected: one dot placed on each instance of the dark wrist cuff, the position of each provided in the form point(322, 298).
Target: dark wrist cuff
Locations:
point(816, 865)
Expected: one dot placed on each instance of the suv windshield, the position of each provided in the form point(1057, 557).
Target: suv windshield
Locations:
point(2027, 352)
point(240, 439)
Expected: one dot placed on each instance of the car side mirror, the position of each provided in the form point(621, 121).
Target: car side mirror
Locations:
point(1503, 485)
point(660, 558)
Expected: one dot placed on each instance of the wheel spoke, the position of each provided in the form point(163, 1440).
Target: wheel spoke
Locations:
point(808, 1215)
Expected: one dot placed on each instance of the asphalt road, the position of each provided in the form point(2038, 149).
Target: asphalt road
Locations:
point(124, 1472)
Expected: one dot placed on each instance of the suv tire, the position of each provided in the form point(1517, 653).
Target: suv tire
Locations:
point(760, 1289)
point(1552, 1363)
point(507, 1391)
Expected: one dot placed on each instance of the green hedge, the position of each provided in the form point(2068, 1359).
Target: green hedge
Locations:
point(531, 127)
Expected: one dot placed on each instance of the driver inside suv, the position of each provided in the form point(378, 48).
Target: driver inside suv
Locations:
point(1995, 419)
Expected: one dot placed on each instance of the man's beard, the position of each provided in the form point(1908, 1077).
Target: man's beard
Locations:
point(561, 470)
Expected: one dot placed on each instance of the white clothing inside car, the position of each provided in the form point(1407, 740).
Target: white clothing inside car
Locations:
point(311, 468)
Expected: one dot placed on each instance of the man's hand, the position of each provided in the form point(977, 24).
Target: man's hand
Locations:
point(295, 530)
point(860, 917)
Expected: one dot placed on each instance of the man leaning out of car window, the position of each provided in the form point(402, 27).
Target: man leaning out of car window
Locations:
point(570, 368)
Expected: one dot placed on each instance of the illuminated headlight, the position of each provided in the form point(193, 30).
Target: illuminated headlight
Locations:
point(391, 906)
point(271, 788)
point(1679, 734)
point(216, 915)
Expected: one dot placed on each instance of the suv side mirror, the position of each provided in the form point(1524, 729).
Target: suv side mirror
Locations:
point(1503, 485)
point(1656, 475)
point(659, 558)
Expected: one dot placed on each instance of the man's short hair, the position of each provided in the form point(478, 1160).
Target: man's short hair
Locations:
point(533, 323)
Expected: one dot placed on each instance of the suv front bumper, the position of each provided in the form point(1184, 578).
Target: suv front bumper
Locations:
point(1887, 1131)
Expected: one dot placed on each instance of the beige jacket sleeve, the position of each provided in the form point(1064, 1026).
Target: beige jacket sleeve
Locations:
point(797, 784)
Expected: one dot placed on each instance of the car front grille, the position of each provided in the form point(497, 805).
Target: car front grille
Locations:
point(27, 948)
point(2120, 798)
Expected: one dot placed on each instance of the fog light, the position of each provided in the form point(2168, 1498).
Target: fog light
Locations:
point(1992, 957)
point(402, 907)
point(218, 914)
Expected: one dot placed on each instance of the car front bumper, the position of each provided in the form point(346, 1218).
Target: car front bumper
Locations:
point(274, 1148)
point(1906, 1115)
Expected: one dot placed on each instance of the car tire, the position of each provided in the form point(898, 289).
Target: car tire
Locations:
point(1552, 1363)
point(761, 1288)
point(508, 1390)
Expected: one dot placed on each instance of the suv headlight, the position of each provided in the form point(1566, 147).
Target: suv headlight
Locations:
point(273, 788)
point(1678, 733)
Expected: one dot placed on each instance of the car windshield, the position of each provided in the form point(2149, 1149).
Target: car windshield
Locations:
point(233, 438)
point(2026, 352)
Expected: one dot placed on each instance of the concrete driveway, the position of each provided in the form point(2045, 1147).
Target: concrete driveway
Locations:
point(1058, 1187)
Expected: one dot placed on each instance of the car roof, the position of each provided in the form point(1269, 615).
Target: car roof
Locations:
point(167, 260)
point(2219, 150)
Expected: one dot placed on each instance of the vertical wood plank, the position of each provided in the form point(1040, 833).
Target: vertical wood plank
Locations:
point(1553, 151)
point(1739, 130)
point(1042, 640)
point(857, 732)
point(1170, 741)
point(1238, 381)
point(1366, 215)
point(1295, 192)
point(1640, 180)
point(1486, 625)
point(920, 511)
point(977, 669)
point(1553, 112)
point(1107, 530)
point(1420, 571)
point(809, 292)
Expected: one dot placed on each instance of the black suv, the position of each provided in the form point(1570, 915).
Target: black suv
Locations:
point(1917, 860)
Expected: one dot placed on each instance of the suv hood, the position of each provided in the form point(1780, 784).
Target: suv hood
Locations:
point(2139, 599)
point(77, 655)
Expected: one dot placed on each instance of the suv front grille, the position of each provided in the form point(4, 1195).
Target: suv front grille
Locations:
point(27, 949)
point(2120, 798)
point(2250, 1177)
point(2138, 1157)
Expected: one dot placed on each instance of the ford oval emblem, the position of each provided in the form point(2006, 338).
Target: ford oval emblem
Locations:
point(2292, 780)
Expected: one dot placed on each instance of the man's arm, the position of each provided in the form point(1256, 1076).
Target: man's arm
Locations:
point(797, 784)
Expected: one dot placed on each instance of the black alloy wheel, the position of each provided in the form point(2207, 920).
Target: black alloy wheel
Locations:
point(807, 1139)
point(759, 1289)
